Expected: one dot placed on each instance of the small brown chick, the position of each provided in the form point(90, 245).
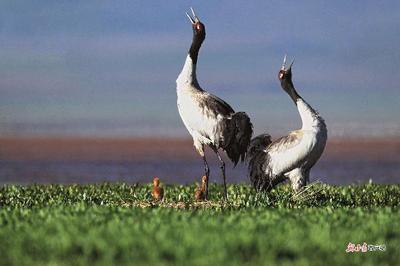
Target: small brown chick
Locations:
point(158, 192)
point(200, 192)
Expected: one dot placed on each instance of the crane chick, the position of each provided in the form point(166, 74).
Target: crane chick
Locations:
point(200, 193)
point(158, 192)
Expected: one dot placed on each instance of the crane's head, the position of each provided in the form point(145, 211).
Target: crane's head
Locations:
point(285, 77)
point(156, 181)
point(199, 30)
point(285, 73)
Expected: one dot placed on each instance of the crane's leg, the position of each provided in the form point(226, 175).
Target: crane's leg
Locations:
point(307, 176)
point(200, 149)
point(222, 166)
point(207, 174)
point(297, 179)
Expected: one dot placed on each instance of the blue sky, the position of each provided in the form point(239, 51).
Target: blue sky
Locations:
point(108, 68)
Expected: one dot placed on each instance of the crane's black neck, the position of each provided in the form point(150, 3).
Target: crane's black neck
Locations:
point(198, 38)
point(287, 85)
point(194, 49)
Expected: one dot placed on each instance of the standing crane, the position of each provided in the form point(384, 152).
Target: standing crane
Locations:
point(210, 121)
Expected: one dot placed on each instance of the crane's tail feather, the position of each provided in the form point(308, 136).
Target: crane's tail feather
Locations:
point(260, 177)
point(257, 160)
point(238, 133)
point(258, 144)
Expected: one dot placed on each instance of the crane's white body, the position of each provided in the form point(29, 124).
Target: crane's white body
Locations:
point(309, 141)
point(204, 124)
point(291, 157)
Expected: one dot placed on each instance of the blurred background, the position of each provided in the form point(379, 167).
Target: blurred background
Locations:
point(97, 74)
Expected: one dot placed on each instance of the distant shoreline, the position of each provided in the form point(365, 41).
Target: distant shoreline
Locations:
point(132, 149)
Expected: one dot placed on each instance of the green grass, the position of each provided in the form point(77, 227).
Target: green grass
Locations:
point(120, 224)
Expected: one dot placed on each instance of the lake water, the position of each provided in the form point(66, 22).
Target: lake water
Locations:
point(180, 171)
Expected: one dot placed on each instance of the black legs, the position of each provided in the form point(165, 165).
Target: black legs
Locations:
point(222, 166)
point(207, 173)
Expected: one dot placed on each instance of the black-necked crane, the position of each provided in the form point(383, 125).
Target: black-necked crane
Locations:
point(292, 156)
point(209, 120)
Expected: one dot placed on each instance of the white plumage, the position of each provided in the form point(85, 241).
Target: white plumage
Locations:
point(205, 126)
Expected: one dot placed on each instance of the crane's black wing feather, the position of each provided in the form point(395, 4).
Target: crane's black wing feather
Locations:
point(215, 105)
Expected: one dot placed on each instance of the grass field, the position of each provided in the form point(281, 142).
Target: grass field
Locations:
point(119, 224)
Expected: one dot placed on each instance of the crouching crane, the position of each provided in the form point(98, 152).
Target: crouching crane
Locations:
point(292, 156)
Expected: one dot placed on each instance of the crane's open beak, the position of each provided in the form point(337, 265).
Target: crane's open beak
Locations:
point(193, 19)
point(283, 67)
